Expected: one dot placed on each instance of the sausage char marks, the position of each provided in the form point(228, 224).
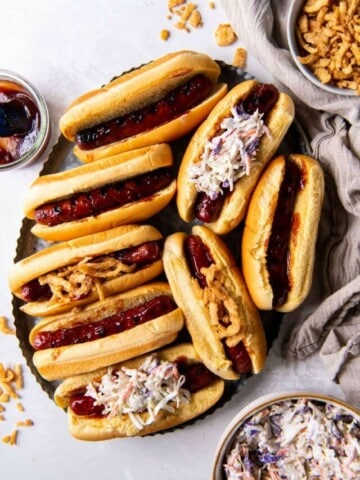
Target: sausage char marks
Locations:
point(99, 200)
point(174, 104)
point(110, 325)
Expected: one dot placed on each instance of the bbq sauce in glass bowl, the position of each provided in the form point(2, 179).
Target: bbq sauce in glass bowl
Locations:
point(24, 121)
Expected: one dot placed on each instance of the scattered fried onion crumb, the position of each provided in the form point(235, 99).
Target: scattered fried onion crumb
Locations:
point(175, 3)
point(225, 35)
point(240, 57)
point(11, 382)
point(11, 439)
point(25, 423)
point(328, 33)
point(187, 17)
point(4, 327)
point(164, 34)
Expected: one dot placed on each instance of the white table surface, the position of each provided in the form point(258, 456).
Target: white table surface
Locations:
point(65, 48)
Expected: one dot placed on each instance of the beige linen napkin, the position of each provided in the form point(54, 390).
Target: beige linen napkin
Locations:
point(329, 321)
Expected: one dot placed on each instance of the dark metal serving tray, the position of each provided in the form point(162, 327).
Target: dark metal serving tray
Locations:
point(167, 221)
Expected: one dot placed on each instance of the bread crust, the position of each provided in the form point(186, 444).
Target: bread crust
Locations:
point(61, 362)
point(258, 225)
point(95, 429)
point(135, 89)
point(167, 132)
point(68, 253)
point(190, 297)
point(57, 186)
point(236, 202)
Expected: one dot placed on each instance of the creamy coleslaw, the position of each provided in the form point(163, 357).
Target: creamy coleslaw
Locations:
point(156, 385)
point(296, 440)
point(229, 155)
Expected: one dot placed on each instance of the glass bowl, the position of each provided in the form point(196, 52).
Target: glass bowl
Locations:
point(27, 147)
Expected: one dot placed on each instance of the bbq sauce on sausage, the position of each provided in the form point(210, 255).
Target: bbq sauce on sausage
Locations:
point(199, 256)
point(197, 377)
point(99, 200)
point(174, 104)
point(277, 257)
point(119, 322)
point(139, 255)
point(263, 99)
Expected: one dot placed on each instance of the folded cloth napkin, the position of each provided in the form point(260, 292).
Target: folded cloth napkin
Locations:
point(328, 322)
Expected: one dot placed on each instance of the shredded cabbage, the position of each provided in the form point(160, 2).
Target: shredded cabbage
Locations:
point(229, 155)
point(299, 440)
point(154, 386)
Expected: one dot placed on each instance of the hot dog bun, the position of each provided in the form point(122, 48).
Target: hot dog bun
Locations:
point(235, 203)
point(48, 189)
point(103, 428)
point(65, 361)
point(71, 253)
point(304, 226)
point(137, 89)
point(226, 290)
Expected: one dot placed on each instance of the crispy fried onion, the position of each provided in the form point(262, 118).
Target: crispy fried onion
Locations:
point(223, 310)
point(76, 281)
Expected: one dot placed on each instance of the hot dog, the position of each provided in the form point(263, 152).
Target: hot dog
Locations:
point(174, 375)
point(125, 188)
point(224, 324)
point(120, 327)
point(156, 103)
point(279, 239)
point(71, 274)
point(228, 152)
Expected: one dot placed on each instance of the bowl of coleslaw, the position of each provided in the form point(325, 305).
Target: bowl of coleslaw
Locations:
point(293, 436)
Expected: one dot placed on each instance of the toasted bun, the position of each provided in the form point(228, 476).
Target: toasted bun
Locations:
point(58, 186)
point(61, 362)
point(68, 253)
point(135, 89)
point(245, 325)
point(88, 428)
point(303, 237)
point(167, 132)
point(235, 203)
point(139, 88)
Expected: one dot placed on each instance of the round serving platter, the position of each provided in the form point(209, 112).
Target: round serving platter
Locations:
point(167, 221)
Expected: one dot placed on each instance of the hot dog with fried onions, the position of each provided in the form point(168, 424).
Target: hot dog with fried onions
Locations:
point(156, 103)
point(224, 324)
point(228, 152)
point(71, 274)
point(173, 388)
point(120, 327)
point(126, 188)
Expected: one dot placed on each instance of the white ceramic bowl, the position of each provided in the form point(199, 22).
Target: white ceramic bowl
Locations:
point(293, 14)
point(229, 435)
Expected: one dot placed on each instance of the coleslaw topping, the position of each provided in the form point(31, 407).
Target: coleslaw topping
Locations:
point(154, 386)
point(296, 440)
point(229, 155)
